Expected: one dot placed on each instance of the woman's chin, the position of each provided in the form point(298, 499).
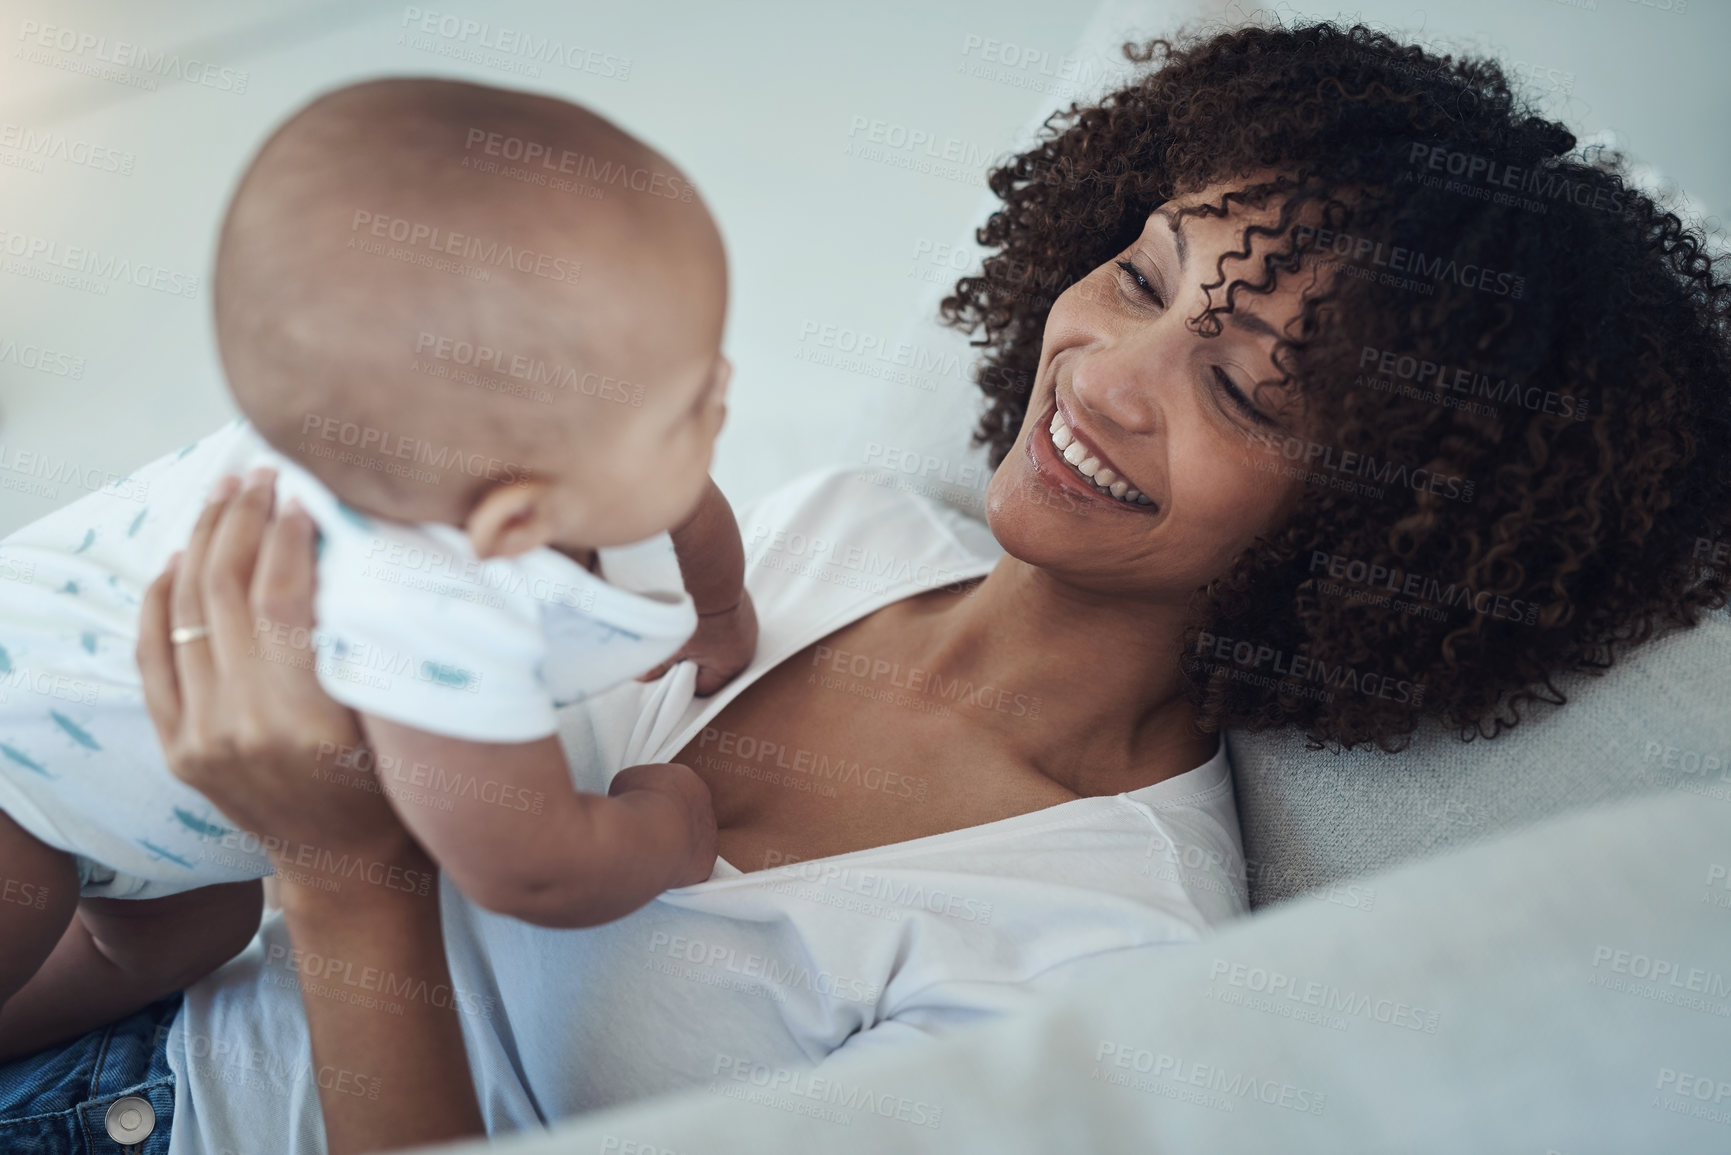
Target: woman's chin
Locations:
point(1034, 520)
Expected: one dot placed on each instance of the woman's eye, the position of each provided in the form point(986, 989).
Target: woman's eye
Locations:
point(1141, 282)
point(1240, 401)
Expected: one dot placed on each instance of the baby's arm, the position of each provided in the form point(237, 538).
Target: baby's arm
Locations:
point(711, 556)
point(504, 821)
point(712, 562)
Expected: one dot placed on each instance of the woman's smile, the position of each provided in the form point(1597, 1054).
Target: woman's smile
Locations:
point(1065, 457)
point(1083, 453)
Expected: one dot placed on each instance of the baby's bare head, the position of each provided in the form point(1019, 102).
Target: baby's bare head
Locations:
point(429, 291)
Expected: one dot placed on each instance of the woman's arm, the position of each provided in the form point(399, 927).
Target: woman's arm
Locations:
point(415, 1060)
point(244, 722)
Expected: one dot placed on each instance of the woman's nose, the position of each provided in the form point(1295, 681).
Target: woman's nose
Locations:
point(1120, 379)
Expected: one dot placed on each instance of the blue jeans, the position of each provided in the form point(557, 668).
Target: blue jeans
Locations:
point(56, 1102)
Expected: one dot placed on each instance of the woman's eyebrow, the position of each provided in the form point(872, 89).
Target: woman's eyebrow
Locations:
point(1245, 321)
point(1177, 227)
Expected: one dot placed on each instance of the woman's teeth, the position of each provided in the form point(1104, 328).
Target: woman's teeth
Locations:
point(1097, 475)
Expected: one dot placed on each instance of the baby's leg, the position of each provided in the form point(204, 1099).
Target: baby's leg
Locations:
point(38, 893)
point(112, 957)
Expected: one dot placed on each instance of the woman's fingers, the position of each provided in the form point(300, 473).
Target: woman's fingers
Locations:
point(283, 582)
point(194, 670)
point(156, 659)
point(228, 572)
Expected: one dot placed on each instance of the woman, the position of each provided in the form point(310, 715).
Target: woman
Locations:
point(1310, 437)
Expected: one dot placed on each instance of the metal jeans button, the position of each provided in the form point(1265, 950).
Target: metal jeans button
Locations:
point(130, 1120)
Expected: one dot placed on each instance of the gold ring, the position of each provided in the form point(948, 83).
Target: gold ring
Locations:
point(180, 635)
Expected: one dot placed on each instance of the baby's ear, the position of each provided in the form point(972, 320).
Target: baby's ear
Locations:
point(512, 519)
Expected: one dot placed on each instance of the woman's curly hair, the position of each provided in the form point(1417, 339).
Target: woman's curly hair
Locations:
point(1584, 480)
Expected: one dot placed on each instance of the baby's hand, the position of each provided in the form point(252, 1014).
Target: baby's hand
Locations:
point(722, 646)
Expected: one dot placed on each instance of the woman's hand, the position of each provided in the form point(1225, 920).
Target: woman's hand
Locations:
point(243, 720)
point(239, 710)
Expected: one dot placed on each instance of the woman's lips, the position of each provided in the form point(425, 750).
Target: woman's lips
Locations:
point(1051, 468)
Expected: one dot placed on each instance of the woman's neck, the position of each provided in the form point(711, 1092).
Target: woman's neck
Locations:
point(1102, 706)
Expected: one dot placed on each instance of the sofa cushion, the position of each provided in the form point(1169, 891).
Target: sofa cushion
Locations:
point(1660, 719)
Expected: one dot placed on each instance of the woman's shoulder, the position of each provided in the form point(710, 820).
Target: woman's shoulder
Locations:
point(831, 515)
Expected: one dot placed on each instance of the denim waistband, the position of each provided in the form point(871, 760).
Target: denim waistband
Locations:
point(56, 1102)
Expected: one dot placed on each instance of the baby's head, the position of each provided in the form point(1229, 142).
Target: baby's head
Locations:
point(491, 309)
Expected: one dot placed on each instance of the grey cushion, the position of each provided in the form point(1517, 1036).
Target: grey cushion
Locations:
point(1564, 989)
point(1659, 720)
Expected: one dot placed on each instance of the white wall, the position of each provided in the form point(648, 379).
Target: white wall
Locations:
point(758, 101)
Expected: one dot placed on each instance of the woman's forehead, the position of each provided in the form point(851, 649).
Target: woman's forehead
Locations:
point(1183, 208)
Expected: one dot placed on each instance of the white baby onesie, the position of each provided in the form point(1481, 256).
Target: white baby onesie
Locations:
point(412, 627)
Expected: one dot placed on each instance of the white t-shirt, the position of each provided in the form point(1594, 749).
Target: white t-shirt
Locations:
point(748, 980)
point(412, 627)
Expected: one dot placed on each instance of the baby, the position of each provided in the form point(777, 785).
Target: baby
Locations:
point(475, 333)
